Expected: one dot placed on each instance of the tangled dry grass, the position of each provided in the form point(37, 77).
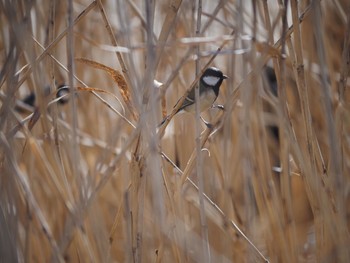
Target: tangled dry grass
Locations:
point(96, 179)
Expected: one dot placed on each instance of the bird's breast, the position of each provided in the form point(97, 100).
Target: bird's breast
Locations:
point(207, 98)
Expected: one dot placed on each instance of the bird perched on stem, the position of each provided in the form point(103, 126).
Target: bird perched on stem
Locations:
point(209, 86)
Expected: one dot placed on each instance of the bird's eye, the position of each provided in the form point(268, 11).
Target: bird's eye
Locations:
point(211, 80)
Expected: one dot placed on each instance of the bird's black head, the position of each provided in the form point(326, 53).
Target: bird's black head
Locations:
point(213, 77)
point(62, 93)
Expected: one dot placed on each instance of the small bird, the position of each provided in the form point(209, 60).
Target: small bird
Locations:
point(209, 86)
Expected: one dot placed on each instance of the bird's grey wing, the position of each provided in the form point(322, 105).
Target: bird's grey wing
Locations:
point(189, 100)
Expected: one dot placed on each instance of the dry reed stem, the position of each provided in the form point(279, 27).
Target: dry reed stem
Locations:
point(199, 160)
point(340, 231)
point(284, 151)
point(310, 173)
point(345, 66)
point(113, 40)
point(167, 26)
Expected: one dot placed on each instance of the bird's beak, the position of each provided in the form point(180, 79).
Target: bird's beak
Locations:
point(224, 77)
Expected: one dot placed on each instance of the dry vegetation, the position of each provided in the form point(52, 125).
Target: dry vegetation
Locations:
point(96, 180)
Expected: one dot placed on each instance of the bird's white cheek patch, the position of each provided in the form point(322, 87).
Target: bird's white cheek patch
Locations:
point(210, 80)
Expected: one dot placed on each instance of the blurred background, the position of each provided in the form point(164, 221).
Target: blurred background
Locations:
point(88, 175)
